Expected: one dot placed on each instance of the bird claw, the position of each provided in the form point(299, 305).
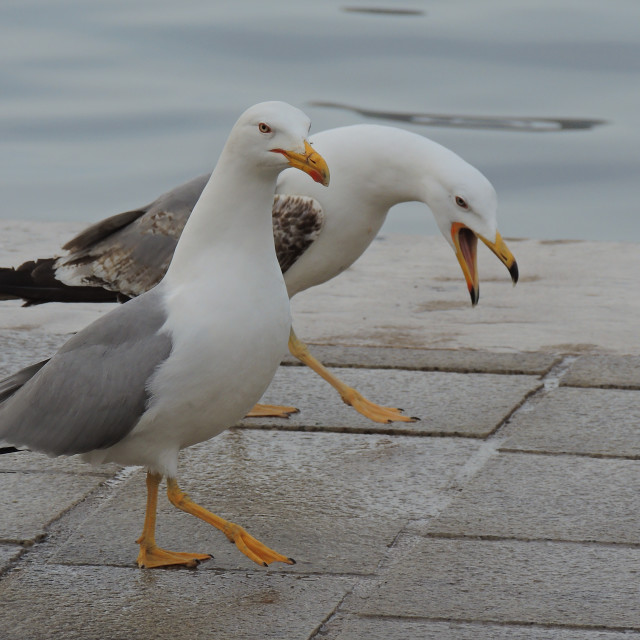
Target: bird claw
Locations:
point(373, 411)
point(153, 556)
point(253, 548)
point(271, 411)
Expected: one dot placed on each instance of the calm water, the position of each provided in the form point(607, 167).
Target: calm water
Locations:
point(105, 104)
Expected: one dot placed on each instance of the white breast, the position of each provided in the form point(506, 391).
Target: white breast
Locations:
point(227, 345)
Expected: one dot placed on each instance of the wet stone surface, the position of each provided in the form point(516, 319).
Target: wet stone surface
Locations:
point(431, 360)
point(334, 502)
point(622, 372)
point(547, 497)
point(129, 604)
point(377, 628)
point(506, 512)
point(30, 501)
point(602, 422)
point(505, 581)
point(8, 553)
point(441, 400)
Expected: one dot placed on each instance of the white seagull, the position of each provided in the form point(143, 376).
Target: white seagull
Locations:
point(187, 359)
point(318, 232)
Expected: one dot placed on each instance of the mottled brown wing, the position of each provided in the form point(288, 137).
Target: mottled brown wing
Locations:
point(297, 222)
point(130, 253)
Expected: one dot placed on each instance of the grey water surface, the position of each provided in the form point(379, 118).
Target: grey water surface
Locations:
point(105, 104)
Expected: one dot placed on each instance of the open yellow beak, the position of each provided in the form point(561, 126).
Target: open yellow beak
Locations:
point(466, 245)
point(310, 162)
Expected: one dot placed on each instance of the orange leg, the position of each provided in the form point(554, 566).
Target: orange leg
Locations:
point(151, 555)
point(252, 548)
point(271, 411)
point(349, 395)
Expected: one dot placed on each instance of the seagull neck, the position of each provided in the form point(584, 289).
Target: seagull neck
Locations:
point(404, 163)
point(233, 215)
point(420, 161)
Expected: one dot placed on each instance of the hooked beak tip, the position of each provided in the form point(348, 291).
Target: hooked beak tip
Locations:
point(515, 274)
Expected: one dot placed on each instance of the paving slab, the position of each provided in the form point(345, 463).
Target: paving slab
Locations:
point(39, 462)
point(334, 502)
point(29, 502)
point(9, 553)
point(109, 603)
point(601, 422)
point(447, 403)
point(319, 545)
point(505, 581)
point(409, 292)
point(43, 326)
point(376, 628)
point(462, 361)
point(24, 346)
point(622, 372)
point(546, 497)
point(438, 535)
point(346, 475)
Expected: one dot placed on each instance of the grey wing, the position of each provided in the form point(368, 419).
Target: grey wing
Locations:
point(10, 385)
point(92, 392)
point(297, 222)
point(129, 253)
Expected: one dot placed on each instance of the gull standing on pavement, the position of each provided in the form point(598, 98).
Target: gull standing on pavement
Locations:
point(187, 359)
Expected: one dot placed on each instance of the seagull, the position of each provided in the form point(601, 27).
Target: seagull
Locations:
point(318, 232)
point(182, 362)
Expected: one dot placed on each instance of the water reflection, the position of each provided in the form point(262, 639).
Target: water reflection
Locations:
point(105, 103)
point(519, 123)
point(385, 11)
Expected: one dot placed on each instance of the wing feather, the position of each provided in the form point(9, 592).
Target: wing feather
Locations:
point(129, 253)
point(297, 222)
point(93, 391)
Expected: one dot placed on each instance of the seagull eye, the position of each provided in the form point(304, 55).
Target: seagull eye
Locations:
point(461, 202)
point(264, 127)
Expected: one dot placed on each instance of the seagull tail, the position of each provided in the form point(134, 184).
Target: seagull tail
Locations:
point(36, 283)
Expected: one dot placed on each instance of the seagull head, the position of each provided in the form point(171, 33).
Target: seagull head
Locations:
point(464, 205)
point(279, 132)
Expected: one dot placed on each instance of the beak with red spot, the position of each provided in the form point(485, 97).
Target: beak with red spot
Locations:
point(310, 162)
point(465, 242)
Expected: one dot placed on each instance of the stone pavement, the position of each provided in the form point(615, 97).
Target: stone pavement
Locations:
point(509, 511)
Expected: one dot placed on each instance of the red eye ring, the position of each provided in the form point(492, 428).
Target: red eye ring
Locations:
point(461, 202)
point(263, 127)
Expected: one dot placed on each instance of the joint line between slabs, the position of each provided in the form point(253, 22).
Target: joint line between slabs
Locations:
point(501, 623)
point(443, 535)
point(548, 382)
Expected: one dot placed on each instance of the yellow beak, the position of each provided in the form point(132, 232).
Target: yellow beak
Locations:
point(466, 246)
point(310, 162)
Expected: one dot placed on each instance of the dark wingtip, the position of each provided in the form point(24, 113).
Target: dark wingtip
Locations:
point(9, 450)
point(513, 270)
point(475, 296)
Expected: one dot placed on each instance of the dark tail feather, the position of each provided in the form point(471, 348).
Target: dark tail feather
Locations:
point(35, 282)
